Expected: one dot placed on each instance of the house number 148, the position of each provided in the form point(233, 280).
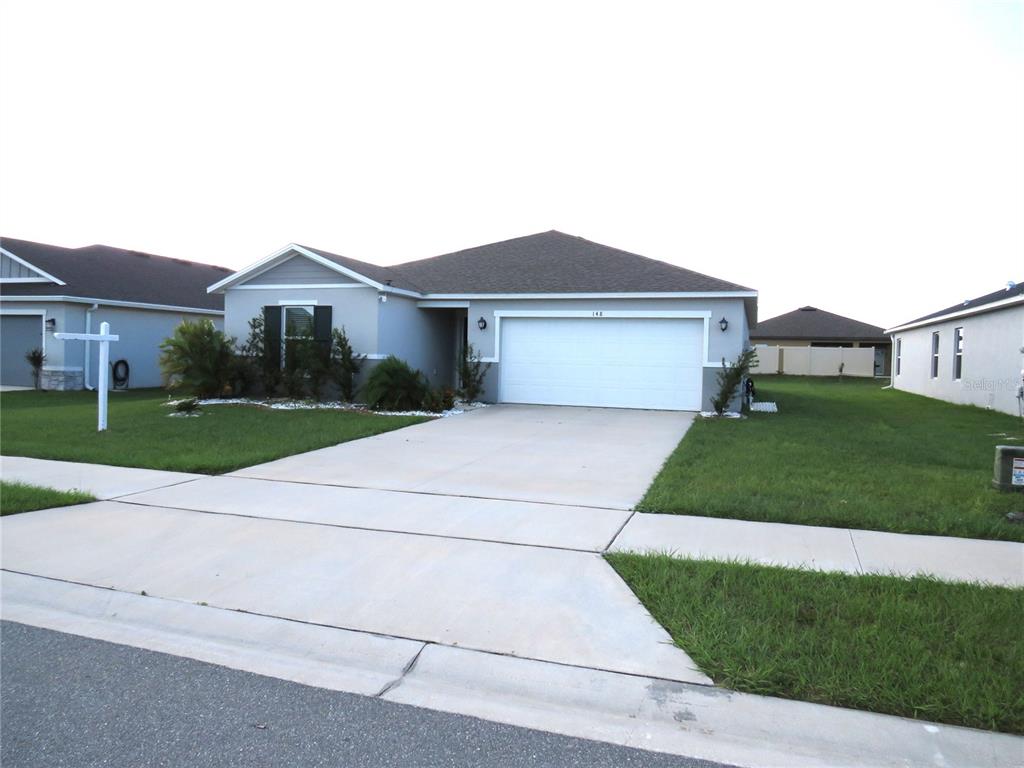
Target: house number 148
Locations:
point(599, 314)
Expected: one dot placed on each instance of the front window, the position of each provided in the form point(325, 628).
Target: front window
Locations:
point(958, 352)
point(296, 323)
point(899, 354)
point(935, 355)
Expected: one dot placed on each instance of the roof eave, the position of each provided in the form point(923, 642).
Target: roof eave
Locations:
point(992, 306)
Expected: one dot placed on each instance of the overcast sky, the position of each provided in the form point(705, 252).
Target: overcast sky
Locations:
point(863, 157)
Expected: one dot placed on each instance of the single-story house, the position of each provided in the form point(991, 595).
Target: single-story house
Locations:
point(971, 353)
point(561, 320)
point(813, 327)
point(46, 289)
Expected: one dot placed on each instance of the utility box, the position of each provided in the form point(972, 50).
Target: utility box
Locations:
point(1009, 468)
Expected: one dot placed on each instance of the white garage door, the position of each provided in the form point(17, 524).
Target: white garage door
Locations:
point(605, 362)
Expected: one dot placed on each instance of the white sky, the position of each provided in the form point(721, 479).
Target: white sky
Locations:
point(863, 157)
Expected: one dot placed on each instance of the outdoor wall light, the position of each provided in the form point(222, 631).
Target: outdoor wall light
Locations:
point(481, 324)
point(51, 323)
point(723, 324)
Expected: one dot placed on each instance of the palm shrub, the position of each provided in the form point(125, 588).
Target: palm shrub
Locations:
point(345, 364)
point(197, 358)
point(472, 370)
point(395, 386)
point(730, 378)
point(36, 358)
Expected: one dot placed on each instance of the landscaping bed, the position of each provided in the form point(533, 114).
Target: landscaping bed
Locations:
point(950, 653)
point(62, 425)
point(22, 497)
point(846, 453)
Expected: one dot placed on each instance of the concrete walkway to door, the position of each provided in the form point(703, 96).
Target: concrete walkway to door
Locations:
point(591, 457)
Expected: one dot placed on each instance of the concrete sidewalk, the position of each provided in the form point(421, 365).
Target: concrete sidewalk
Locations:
point(633, 710)
point(101, 480)
point(534, 602)
point(825, 549)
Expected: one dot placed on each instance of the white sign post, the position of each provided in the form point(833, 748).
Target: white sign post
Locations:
point(104, 337)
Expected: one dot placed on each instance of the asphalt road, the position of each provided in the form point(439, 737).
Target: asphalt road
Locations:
point(72, 701)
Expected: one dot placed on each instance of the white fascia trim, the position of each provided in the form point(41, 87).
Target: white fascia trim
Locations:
point(5, 280)
point(299, 287)
point(443, 304)
point(115, 303)
point(289, 251)
point(703, 315)
point(628, 313)
point(633, 295)
point(63, 368)
point(46, 276)
point(961, 313)
point(296, 303)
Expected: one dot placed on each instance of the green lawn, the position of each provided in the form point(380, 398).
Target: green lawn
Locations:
point(62, 425)
point(21, 497)
point(849, 454)
point(950, 653)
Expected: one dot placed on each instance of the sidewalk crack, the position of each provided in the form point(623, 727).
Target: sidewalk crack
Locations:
point(860, 565)
point(619, 532)
point(398, 680)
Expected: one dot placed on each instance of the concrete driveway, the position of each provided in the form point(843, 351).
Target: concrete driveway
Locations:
point(595, 457)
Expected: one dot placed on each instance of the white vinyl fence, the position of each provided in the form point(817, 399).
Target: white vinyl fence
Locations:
point(815, 361)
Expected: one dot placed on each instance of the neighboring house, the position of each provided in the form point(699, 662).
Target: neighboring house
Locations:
point(970, 353)
point(46, 289)
point(562, 320)
point(813, 327)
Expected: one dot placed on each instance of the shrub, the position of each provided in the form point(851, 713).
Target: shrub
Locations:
point(394, 386)
point(439, 400)
point(730, 378)
point(188, 405)
point(254, 352)
point(36, 358)
point(344, 364)
point(197, 358)
point(310, 363)
point(472, 370)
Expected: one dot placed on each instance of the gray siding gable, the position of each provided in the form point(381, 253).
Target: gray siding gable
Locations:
point(10, 268)
point(298, 270)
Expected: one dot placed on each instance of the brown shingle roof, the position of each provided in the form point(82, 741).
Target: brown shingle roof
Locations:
point(552, 262)
point(812, 323)
point(115, 274)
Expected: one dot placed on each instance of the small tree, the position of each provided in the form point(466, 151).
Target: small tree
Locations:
point(197, 358)
point(310, 363)
point(36, 358)
point(472, 371)
point(255, 353)
point(344, 364)
point(730, 378)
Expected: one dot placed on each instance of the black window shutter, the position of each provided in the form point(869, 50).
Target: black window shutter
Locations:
point(272, 335)
point(322, 328)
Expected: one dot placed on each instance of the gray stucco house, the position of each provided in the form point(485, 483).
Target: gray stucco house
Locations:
point(562, 320)
point(46, 289)
point(970, 353)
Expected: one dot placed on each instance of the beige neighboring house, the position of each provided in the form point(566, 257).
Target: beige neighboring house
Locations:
point(816, 328)
point(971, 353)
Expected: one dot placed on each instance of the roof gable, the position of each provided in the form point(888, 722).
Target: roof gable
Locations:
point(115, 274)
point(14, 269)
point(814, 323)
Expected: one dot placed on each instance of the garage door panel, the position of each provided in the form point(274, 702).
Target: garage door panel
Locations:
point(609, 362)
point(19, 334)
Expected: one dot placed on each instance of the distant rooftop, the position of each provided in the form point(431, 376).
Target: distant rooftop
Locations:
point(813, 324)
